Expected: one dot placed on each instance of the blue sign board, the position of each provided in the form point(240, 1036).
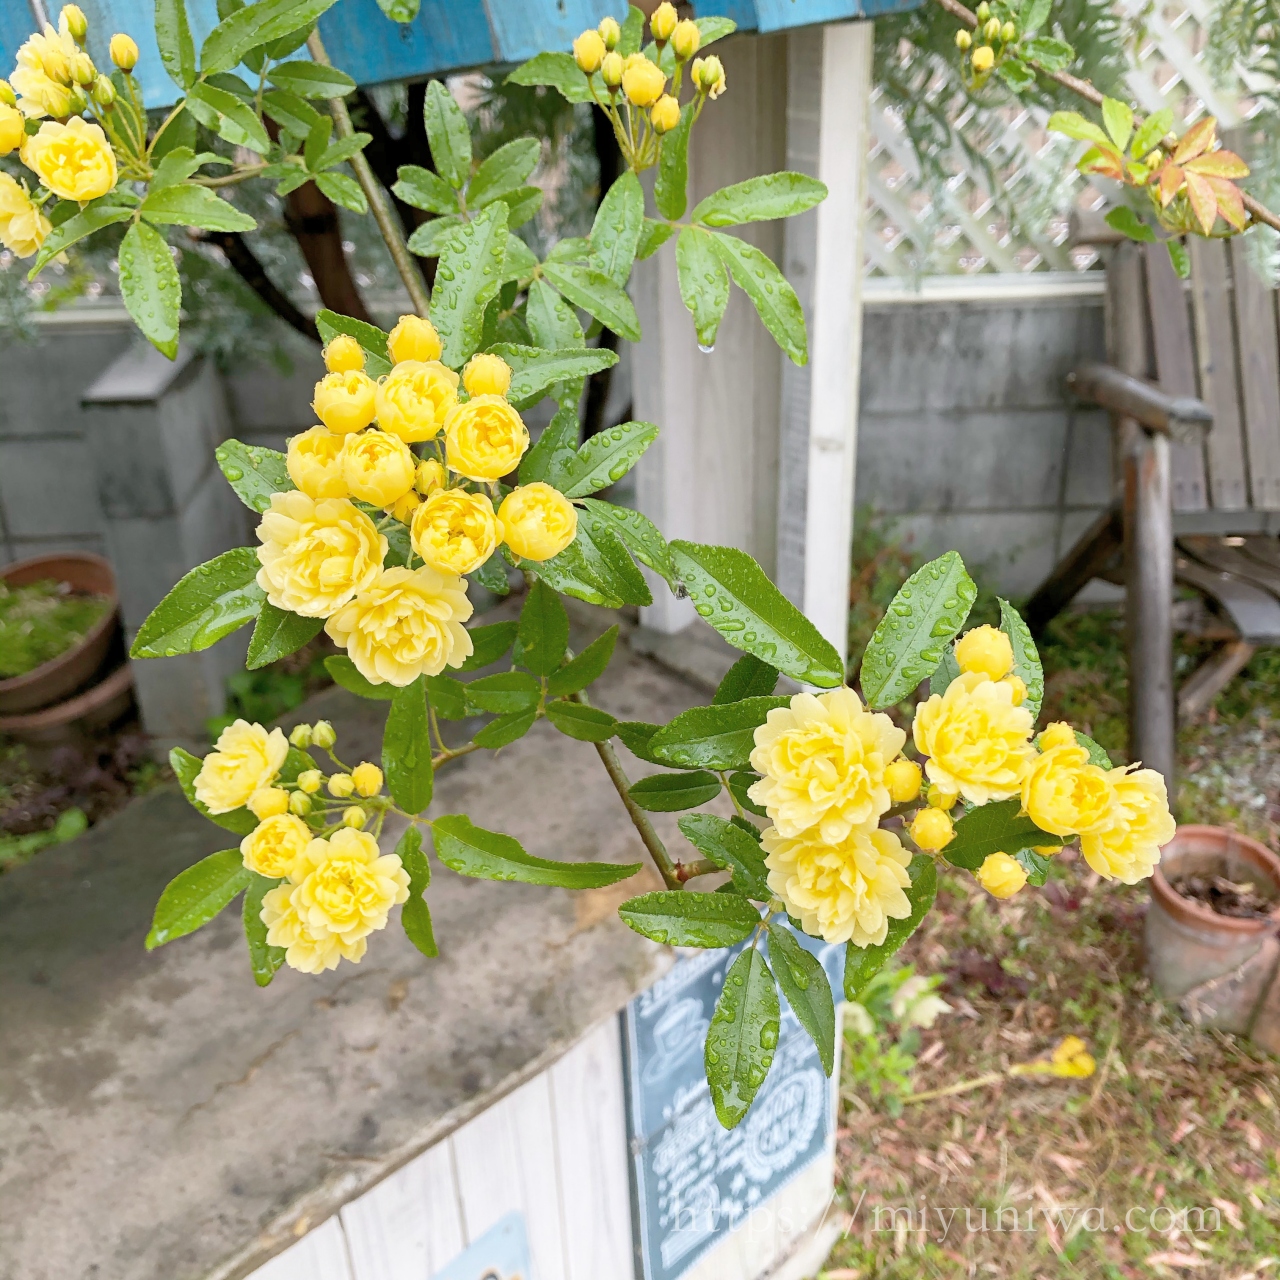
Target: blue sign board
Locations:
point(502, 1253)
point(694, 1181)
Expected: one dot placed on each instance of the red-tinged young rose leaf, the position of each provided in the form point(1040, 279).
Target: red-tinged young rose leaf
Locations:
point(1197, 140)
point(1204, 201)
point(1171, 179)
point(1104, 160)
point(1219, 164)
point(1230, 201)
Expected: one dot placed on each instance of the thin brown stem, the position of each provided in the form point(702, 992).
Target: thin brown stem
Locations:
point(379, 203)
point(669, 870)
point(992, 1077)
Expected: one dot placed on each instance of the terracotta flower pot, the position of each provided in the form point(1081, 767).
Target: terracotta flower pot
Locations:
point(1189, 944)
point(55, 681)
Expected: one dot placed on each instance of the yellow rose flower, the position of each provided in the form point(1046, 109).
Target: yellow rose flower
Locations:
point(1127, 847)
point(823, 762)
point(642, 81)
point(665, 114)
point(588, 52)
point(316, 556)
point(414, 399)
point(455, 531)
point(985, 649)
point(984, 58)
point(538, 521)
point(414, 338)
point(305, 950)
point(266, 802)
point(484, 438)
point(345, 402)
point(124, 52)
point(42, 75)
point(314, 462)
point(1063, 793)
point(378, 467)
point(1000, 875)
point(274, 848)
point(367, 778)
point(344, 354)
point(244, 759)
point(23, 227)
point(74, 160)
point(975, 738)
point(487, 375)
point(12, 129)
point(409, 622)
point(846, 892)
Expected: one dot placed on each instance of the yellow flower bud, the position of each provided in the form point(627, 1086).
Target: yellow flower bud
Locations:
point(322, 734)
point(665, 114)
point(124, 52)
point(310, 781)
point(414, 339)
point(72, 17)
point(344, 354)
point(642, 81)
point(903, 779)
point(7, 95)
point(1071, 1059)
point(345, 402)
point(341, 785)
point(299, 803)
point(300, 736)
point(538, 522)
point(378, 467)
point(431, 477)
point(939, 798)
point(589, 51)
point(368, 778)
point(1009, 32)
point(314, 463)
point(83, 72)
point(610, 32)
point(685, 40)
point(484, 438)
point(13, 131)
point(611, 69)
point(987, 650)
point(402, 509)
point(103, 92)
point(931, 829)
point(983, 11)
point(708, 75)
point(354, 817)
point(1000, 875)
point(1018, 685)
point(486, 375)
point(983, 58)
point(964, 39)
point(266, 802)
point(991, 29)
point(663, 22)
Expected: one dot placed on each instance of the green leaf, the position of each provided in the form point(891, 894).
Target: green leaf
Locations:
point(186, 767)
point(317, 140)
point(91, 218)
point(403, 11)
point(804, 982)
point(738, 785)
point(672, 792)
point(210, 602)
point(736, 597)
point(150, 287)
point(429, 240)
point(344, 673)
point(1127, 223)
point(653, 236)
point(448, 134)
point(519, 262)
point(506, 693)
point(555, 450)
point(371, 339)
point(253, 25)
point(173, 36)
point(1097, 754)
point(489, 643)
point(277, 634)
point(947, 670)
point(415, 920)
point(615, 233)
point(1049, 53)
point(534, 369)
point(742, 1038)
point(467, 280)
point(1026, 660)
point(556, 70)
point(632, 31)
point(920, 622)
point(505, 729)
point(861, 964)
point(586, 668)
point(179, 164)
point(552, 321)
point(1016, 74)
point(998, 827)
point(570, 249)
point(264, 959)
point(596, 294)
point(492, 576)
point(191, 205)
point(232, 120)
point(679, 918)
point(1036, 865)
point(254, 472)
point(505, 171)
point(709, 31)
point(424, 190)
point(772, 195)
point(607, 456)
point(770, 292)
point(544, 632)
point(704, 286)
point(406, 748)
point(522, 204)
point(586, 724)
point(471, 851)
point(609, 563)
point(730, 847)
point(344, 190)
point(714, 737)
point(343, 150)
point(196, 895)
point(1074, 125)
point(448, 697)
point(635, 736)
point(1033, 15)
point(670, 188)
point(409, 851)
point(295, 762)
point(638, 533)
point(311, 79)
point(1180, 258)
point(747, 678)
point(1151, 131)
point(293, 114)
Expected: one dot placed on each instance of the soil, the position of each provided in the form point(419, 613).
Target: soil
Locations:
point(1224, 897)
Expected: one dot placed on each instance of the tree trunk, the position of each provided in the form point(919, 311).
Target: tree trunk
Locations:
point(312, 218)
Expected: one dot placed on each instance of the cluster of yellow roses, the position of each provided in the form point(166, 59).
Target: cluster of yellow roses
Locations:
point(831, 770)
point(322, 557)
point(335, 887)
point(69, 155)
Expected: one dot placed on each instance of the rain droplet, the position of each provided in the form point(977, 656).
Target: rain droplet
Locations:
point(705, 348)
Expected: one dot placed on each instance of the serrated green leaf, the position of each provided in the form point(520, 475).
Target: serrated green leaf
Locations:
point(586, 724)
point(254, 25)
point(191, 205)
point(522, 204)
point(1026, 659)
point(487, 855)
point(804, 982)
point(607, 456)
point(704, 285)
point(423, 189)
point(178, 165)
point(1074, 125)
point(344, 673)
point(1036, 865)
point(1033, 15)
point(518, 263)
point(672, 792)
point(714, 737)
point(1124, 220)
point(504, 730)
point(489, 643)
point(93, 217)
point(150, 287)
point(543, 633)
point(186, 767)
point(671, 187)
point(507, 693)
point(1097, 753)
point(1016, 74)
point(447, 697)
point(609, 563)
point(947, 670)
point(920, 622)
point(343, 190)
point(409, 851)
point(552, 321)
point(772, 195)
point(1151, 131)
point(253, 472)
point(406, 749)
point(635, 735)
point(638, 533)
point(861, 964)
point(679, 918)
point(317, 140)
point(448, 134)
point(1050, 53)
point(736, 597)
point(343, 149)
point(232, 120)
point(586, 668)
point(193, 897)
point(505, 171)
point(467, 280)
point(632, 31)
point(429, 239)
point(311, 79)
point(210, 602)
point(556, 70)
point(371, 339)
point(653, 236)
point(615, 233)
point(173, 36)
point(730, 847)
point(739, 784)
point(534, 369)
point(277, 634)
point(596, 294)
point(415, 920)
point(292, 113)
point(998, 827)
point(747, 678)
point(264, 959)
point(742, 1038)
point(770, 292)
point(1180, 259)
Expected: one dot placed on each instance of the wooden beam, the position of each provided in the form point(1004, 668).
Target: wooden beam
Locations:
point(1211, 677)
point(1182, 417)
point(1095, 550)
